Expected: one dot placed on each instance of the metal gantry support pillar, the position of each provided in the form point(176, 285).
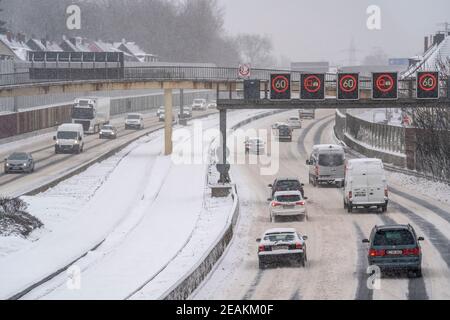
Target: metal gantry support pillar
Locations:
point(223, 165)
point(168, 104)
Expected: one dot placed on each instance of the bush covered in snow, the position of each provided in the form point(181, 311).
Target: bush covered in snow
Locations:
point(14, 218)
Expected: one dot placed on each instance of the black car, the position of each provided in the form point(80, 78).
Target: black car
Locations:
point(108, 132)
point(284, 133)
point(395, 248)
point(20, 162)
point(287, 184)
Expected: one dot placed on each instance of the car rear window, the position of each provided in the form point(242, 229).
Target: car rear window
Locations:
point(288, 198)
point(288, 185)
point(399, 237)
point(275, 237)
point(284, 130)
point(331, 160)
point(134, 116)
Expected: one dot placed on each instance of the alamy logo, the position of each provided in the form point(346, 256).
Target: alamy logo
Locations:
point(374, 280)
point(73, 21)
point(374, 19)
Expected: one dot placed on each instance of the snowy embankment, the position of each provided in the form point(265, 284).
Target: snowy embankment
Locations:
point(143, 212)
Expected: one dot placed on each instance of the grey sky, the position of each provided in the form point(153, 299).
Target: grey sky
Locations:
point(311, 30)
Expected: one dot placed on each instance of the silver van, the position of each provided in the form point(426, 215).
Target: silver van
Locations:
point(327, 165)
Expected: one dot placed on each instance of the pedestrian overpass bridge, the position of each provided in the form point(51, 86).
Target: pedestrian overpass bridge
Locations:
point(41, 80)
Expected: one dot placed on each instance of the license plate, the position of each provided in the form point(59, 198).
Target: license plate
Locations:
point(281, 248)
point(360, 194)
point(288, 207)
point(394, 252)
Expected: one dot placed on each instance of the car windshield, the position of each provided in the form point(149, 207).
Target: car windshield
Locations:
point(331, 159)
point(288, 198)
point(284, 130)
point(276, 237)
point(83, 113)
point(293, 119)
point(18, 156)
point(287, 185)
point(134, 116)
point(198, 101)
point(107, 128)
point(67, 135)
point(393, 238)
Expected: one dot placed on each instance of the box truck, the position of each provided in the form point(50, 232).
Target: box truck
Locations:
point(91, 113)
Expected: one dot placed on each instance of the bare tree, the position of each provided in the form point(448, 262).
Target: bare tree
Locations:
point(256, 50)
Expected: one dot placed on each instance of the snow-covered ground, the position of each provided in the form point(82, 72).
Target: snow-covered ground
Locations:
point(136, 226)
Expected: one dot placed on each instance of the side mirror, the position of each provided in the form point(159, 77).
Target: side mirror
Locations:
point(269, 199)
point(302, 184)
point(308, 163)
point(305, 238)
point(306, 198)
point(270, 186)
point(421, 239)
point(258, 240)
point(366, 241)
point(54, 138)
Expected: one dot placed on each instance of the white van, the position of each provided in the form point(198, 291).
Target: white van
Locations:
point(365, 185)
point(69, 138)
point(327, 165)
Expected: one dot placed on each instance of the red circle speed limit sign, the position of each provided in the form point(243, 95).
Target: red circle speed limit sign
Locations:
point(348, 86)
point(385, 83)
point(428, 82)
point(280, 84)
point(280, 87)
point(348, 83)
point(427, 85)
point(312, 84)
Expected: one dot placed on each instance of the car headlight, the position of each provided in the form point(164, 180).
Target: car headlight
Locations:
point(25, 164)
point(7, 164)
point(76, 141)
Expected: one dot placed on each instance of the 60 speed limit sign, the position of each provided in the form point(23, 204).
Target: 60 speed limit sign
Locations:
point(348, 86)
point(280, 86)
point(427, 85)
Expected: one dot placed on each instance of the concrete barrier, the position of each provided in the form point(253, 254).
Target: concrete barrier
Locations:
point(187, 284)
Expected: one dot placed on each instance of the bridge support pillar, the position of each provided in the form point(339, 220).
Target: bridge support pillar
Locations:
point(168, 104)
point(223, 166)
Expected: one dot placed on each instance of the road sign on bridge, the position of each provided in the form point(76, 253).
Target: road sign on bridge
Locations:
point(385, 85)
point(280, 86)
point(348, 86)
point(428, 85)
point(312, 86)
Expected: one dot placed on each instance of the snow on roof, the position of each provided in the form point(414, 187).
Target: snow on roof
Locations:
point(288, 193)
point(281, 230)
point(429, 61)
point(39, 43)
point(20, 49)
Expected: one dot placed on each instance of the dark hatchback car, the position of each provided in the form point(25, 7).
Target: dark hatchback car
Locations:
point(19, 162)
point(108, 132)
point(287, 184)
point(395, 248)
point(284, 133)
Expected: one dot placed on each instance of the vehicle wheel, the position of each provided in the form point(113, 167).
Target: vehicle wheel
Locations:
point(303, 262)
point(415, 273)
point(384, 209)
point(349, 208)
point(273, 219)
point(418, 273)
point(345, 205)
point(314, 182)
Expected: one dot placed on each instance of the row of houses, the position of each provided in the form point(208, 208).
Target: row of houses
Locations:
point(16, 47)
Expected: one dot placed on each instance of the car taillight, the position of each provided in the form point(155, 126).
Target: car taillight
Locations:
point(377, 253)
point(276, 204)
point(350, 194)
point(261, 248)
point(317, 170)
point(298, 246)
point(300, 203)
point(411, 252)
point(386, 193)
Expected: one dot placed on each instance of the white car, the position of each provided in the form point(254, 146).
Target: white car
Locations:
point(134, 121)
point(281, 244)
point(288, 204)
point(199, 104)
point(294, 123)
point(160, 110)
point(212, 105)
point(255, 146)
